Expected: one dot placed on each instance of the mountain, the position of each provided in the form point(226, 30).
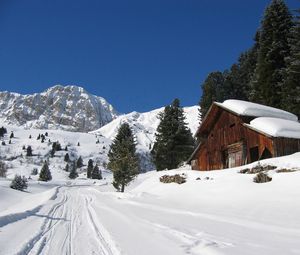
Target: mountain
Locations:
point(68, 108)
point(144, 126)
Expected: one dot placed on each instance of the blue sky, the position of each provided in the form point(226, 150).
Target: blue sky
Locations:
point(137, 54)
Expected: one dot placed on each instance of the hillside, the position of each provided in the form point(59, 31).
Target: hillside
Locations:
point(216, 212)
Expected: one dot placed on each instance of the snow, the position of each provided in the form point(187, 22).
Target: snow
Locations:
point(223, 213)
point(257, 110)
point(276, 127)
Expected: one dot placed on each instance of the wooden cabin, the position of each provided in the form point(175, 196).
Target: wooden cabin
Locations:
point(237, 132)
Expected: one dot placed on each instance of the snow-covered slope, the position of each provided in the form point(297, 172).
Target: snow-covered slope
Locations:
point(69, 108)
point(213, 213)
point(144, 126)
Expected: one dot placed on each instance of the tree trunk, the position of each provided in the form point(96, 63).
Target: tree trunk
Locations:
point(122, 187)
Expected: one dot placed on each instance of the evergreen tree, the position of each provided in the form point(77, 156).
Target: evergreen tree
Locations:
point(174, 141)
point(12, 135)
point(122, 156)
point(73, 174)
point(45, 174)
point(39, 137)
point(96, 173)
point(90, 168)
point(237, 83)
point(29, 151)
point(67, 157)
point(19, 183)
point(30, 136)
point(3, 131)
point(67, 168)
point(212, 90)
point(291, 98)
point(79, 162)
point(273, 50)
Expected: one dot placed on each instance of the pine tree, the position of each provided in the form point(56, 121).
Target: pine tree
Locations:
point(291, 91)
point(67, 168)
point(90, 168)
point(45, 174)
point(29, 151)
point(174, 141)
point(212, 90)
point(67, 157)
point(3, 131)
point(19, 183)
point(11, 135)
point(79, 162)
point(73, 174)
point(96, 173)
point(122, 156)
point(273, 50)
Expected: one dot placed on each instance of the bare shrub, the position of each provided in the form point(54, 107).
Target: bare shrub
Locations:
point(173, 178)
point(262, 178)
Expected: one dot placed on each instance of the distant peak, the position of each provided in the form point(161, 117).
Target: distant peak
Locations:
point(72, 88)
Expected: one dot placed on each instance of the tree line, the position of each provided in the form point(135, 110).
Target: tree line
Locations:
point(269, 72)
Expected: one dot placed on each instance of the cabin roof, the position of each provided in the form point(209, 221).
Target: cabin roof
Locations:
point(276, 127)
point(242, 109)
point(245, 108)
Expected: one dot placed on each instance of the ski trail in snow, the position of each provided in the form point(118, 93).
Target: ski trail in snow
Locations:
point(69, 223)
point(105, 242)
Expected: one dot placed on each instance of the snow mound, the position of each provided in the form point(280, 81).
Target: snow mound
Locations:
point(277, 127)
point(252, 109)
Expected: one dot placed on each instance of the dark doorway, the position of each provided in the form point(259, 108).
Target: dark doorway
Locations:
point(254, 154)
point(266, 154)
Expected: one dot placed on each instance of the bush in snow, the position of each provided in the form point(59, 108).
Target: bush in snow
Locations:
point(34, 171)
point(19, 183)
point(45, 174)
point(3, 169)
point(3, 143)
point(262, 177)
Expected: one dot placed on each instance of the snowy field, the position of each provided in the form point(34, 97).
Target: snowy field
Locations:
point(223, 212)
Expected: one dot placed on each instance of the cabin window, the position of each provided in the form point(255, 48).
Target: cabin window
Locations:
point(254, 154)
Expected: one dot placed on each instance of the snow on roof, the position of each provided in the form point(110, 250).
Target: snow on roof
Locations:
point(252, 109)
point(276, 127)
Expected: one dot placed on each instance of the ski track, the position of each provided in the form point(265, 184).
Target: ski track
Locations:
point(72, 223)
point(69, 222)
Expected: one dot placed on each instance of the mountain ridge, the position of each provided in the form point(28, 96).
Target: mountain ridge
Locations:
point(69, 108)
